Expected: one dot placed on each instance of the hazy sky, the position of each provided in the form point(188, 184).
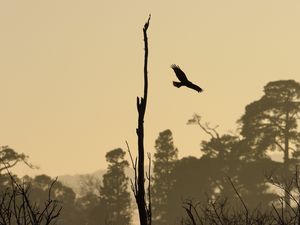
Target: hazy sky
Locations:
point(70, 72)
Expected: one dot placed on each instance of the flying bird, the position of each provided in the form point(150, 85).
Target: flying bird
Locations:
point(183, 79)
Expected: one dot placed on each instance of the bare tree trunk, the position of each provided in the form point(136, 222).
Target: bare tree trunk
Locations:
point(145, 216)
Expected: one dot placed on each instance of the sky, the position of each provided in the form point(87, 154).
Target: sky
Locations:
point(70, 72)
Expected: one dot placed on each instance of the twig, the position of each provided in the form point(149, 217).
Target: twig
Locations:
point(134, 187)
point(149, 209)
point(241, 199)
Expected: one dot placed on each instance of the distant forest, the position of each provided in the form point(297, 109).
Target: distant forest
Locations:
point(235, 181)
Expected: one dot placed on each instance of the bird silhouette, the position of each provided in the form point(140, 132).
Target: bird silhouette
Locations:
point(183, 79)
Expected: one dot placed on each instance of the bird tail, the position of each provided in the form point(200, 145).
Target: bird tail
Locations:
point(177, 84)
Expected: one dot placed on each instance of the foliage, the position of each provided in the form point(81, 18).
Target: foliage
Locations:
point(233, 157)
point(10, 158)
point(18, 206)
point(165, 158)
point(193, 181)
point(114, 194)
point(271, 123)
point(223, 211)
point(230, 179)
point(64, 195)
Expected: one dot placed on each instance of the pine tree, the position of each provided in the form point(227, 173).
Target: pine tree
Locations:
point(164, 161)
point(114, 194)
point(271, 123)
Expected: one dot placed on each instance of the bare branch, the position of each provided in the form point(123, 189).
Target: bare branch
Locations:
point(241, 199)
point(149, 209)
point(206, 128)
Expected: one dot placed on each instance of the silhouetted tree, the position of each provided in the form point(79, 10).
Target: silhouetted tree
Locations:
point(165, 158)
point(89, 183)
point(270, 123)
point(233, 158)
point(10, 158)
point(88, 202)
point(70, 213)
point(138, 184)
point(222, 212)
point(91, 209)
point(192, 181)
point(18, 206)
point(114, 194)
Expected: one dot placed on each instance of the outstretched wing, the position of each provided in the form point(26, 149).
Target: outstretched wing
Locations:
point(195, 87)
point(179, 73)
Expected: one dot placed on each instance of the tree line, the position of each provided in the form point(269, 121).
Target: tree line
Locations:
point(43, 200)
point(234, 169)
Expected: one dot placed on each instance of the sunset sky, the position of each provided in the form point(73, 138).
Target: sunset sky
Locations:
point(70, 72)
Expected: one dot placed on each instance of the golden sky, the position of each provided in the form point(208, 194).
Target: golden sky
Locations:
point(70, 72)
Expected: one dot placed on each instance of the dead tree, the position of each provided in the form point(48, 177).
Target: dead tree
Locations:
point(16, 206)
point(138, 185)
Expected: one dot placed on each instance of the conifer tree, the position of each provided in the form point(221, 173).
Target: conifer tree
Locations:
point(114, 194)
point(271, 123)
point(165, 158)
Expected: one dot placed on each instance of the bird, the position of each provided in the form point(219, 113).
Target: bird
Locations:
point(183, 79)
